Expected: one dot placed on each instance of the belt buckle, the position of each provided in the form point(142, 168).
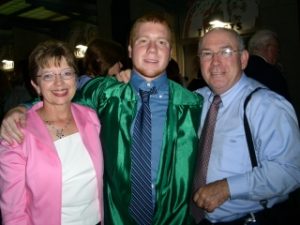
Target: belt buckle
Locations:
point(250, 220)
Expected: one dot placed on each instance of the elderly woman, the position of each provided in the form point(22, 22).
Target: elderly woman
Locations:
point(55, 175)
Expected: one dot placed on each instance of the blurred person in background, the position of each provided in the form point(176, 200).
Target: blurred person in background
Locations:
point(22, 90)
point(102, 57)
point(5, 89)
point(263, 65)
point(173, 71)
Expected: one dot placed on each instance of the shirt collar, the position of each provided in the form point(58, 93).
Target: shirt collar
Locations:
point(138, 82)
point(230, 94)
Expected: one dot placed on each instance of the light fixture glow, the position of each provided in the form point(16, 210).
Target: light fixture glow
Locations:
point(80, 51)
point(7, 65)
point(218, 23)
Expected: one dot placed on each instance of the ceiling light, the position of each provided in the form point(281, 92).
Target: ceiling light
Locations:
point(80, 51)
point(7, 65)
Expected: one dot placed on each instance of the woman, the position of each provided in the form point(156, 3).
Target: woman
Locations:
point(103, 57)
point(55, 175)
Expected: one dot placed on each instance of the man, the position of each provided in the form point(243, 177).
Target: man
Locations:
point(175, 120)
point(233, 189)
point(263, 62)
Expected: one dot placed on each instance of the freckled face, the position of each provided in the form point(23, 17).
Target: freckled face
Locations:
point(150, 50)
point(58, 91)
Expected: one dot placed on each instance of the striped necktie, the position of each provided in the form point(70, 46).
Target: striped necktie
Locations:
point(141, 206)
point(204, 151)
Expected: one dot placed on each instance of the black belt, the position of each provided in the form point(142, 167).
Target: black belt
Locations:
point(267, 216)
point(248, 219)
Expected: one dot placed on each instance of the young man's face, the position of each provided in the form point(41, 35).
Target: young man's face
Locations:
point(150, 49)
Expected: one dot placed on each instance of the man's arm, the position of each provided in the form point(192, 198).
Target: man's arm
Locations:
point(92, 94)
point(11, 124)
point(15, 118)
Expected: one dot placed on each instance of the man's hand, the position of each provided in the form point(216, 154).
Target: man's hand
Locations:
point(212, 195)
point(10, 127)
point(124, 76)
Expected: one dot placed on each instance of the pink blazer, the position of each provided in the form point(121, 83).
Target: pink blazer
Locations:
point(30, 173)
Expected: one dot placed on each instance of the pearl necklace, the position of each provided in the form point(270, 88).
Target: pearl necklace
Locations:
point(59, 132)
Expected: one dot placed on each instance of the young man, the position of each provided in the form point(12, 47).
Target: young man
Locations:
point(175, 114)
point(233, 188)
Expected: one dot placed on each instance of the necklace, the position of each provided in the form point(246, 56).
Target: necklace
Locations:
point(59, 132)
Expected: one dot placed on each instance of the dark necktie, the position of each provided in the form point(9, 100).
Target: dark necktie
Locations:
point(141, 205)
point(204, 151)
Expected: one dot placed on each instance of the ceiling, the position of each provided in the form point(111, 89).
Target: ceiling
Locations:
point(40, 15)
point(43, 14)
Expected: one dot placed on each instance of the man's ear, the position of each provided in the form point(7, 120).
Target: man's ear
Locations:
point(129, 51)
point(244, 58)
point(36, 87)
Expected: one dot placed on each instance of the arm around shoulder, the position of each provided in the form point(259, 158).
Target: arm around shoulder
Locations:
point(11, 124)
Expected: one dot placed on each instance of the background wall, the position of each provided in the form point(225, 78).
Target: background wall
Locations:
point(114, 18)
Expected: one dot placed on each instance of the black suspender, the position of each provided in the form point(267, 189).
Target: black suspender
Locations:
point(249, 138)
point(248, 131)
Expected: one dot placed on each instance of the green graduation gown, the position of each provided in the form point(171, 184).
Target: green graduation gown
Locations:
point(116, 105)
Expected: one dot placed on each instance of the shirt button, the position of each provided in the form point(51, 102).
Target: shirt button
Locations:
point(148, 84)
point(160, 96)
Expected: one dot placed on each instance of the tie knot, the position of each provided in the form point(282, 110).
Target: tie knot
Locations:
point(217, 100)
point(146, 94)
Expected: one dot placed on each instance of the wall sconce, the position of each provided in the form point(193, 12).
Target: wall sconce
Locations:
point(213, 24)
point(7, 65)
point(80, 51)
point(241, 15)
point(218, 23)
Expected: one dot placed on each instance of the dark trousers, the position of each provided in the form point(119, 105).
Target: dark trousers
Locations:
point(241, 221)
point(279, 214)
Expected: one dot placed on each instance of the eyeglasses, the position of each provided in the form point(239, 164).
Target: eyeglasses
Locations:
point(64, 75)
point(224, 53)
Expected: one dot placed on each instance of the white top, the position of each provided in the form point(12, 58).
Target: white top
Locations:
point(80, 204)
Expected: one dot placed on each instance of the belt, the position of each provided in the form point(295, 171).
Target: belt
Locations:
point(278, 214)
point(250, 218)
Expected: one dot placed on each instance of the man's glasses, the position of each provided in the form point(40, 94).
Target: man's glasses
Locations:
point(224, 53)
point(64, 75)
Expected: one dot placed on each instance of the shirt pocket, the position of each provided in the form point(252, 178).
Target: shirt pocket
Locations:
point(231, 153)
